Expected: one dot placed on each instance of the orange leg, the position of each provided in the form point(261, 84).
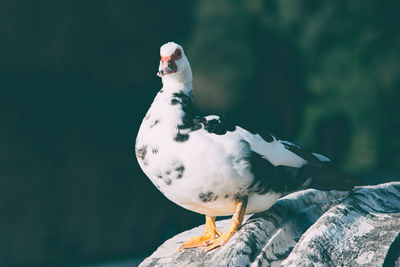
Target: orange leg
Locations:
point(203, 240)
point(237, 220)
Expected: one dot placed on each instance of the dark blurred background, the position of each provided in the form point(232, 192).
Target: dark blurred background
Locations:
point(76, 78)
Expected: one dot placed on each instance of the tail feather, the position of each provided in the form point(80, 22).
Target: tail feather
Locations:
point(318, 168)
point(325, 177)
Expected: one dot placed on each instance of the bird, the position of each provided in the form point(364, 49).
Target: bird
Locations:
point(211, 166)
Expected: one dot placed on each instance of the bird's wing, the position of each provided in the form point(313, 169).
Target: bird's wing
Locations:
point(277, 165)
point(294, 166)
point(277, 152)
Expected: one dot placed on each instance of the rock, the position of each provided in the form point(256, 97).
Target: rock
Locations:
point(307, 228)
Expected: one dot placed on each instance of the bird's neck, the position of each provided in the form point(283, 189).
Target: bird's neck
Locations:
point(171, 86)
point(172, 105)
point(180, 81)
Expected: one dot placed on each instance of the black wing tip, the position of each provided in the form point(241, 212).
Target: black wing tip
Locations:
point(328, 178)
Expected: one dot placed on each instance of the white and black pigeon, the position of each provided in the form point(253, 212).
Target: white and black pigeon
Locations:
point(215, 168)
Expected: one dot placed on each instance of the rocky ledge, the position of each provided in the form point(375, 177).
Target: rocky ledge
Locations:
point(307, 228)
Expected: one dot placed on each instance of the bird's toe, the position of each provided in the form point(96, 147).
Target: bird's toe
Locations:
point(198, 241)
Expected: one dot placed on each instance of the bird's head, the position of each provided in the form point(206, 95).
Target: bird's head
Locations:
point(173, 64)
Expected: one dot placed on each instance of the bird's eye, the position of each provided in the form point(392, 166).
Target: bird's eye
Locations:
point(178, 53)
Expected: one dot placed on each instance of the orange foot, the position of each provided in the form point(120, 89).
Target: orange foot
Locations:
point(237, 220)
point(209, 239)
point(210, 234)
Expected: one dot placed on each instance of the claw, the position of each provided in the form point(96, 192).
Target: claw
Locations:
point(198, 241)
point(210, 234)
point(219, 242)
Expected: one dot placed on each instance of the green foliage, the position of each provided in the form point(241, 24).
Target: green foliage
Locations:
point(345, 52)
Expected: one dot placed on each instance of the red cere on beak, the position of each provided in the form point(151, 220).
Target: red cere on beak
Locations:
point(168, 64)
point(166, 58)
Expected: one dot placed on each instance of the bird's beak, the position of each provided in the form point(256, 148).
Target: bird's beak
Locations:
point(167, 66)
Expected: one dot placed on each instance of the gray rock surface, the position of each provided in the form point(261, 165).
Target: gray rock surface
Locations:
point(311, 227)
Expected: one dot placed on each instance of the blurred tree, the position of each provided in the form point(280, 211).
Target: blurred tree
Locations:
point(294, 66)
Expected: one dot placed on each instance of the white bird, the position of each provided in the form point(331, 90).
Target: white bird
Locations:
point(215, 168)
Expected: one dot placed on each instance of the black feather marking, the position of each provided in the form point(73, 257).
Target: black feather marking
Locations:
point(154, 150)
point(185, 103)
point(175, 101)
point(193, 123)
point(281, 179)
point(324, 177)
point(286, 179)
point(265, 175)
point(154, 123)
point(184, 100)
point(208, 197)
point(167, 180)
point(180, 170)
point(215, 126)
point(218, 126)
point(141, 152)
point(181, 137)
point(257, 129)
point(267, 136)
point(260, 169)
point(301, 152)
